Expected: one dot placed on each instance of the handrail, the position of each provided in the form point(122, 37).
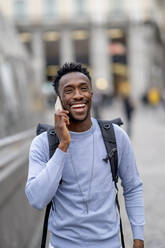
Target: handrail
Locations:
point(16, 138)
point(12, 156)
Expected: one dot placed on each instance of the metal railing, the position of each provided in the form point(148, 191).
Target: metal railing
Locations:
point(16, 138)
point(10, 150)
point(14, 207)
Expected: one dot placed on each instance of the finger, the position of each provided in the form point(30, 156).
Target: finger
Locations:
point(60, 114)
point(62, 117)
point(61, 111)
point(66, 120)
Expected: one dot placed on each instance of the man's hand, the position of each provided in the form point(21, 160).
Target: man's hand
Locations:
point(61, 122)
point(138, 243)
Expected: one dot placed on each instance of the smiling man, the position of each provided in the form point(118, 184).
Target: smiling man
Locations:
point(76, 95)
point(84, 206)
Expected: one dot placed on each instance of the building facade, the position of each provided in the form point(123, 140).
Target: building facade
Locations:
point(18, 88)
point(116, 39)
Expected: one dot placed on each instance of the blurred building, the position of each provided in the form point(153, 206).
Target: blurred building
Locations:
point(119, 40)
point(18, 89)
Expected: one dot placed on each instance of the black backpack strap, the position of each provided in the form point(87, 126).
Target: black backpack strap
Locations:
point(43, 128)
point(121, 225)
point(53, 141)
point(111, 147)
point(53, 144)
point(109, 138)
point(45, 226)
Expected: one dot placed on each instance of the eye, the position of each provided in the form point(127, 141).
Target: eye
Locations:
point(84, 88)
point(68, 90)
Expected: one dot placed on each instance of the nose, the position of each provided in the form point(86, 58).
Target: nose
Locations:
point(77, 94)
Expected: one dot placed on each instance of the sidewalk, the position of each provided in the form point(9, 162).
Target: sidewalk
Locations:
point(148, 142)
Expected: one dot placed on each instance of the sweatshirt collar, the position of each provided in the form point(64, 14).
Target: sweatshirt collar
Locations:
point(78, 135)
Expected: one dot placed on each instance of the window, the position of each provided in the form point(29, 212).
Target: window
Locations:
point(80, 7)
point(116, 6)
point(20, 8)
point(81, 46)
point(50, 8)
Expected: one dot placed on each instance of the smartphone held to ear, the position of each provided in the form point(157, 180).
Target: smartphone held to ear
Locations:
point(58, 105)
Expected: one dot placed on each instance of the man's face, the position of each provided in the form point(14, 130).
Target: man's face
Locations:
point(76, 95)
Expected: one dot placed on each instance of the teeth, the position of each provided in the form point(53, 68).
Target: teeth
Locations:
point(78, 105)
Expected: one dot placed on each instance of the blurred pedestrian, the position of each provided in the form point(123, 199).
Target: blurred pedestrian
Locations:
point(128, 106)
point(163, 97)
point(154, 96)
point(129, 111)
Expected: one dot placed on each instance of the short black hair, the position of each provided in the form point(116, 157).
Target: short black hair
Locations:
point(68, 68)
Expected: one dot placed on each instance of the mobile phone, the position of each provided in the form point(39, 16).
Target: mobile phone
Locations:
point(58, 105)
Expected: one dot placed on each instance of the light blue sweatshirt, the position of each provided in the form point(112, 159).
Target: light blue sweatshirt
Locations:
point(69, 223)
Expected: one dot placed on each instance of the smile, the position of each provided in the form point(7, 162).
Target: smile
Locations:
point(75, 106)
point(79, 108)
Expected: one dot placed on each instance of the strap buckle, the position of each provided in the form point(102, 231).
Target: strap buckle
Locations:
point(110, 155)
point(107, 126)
point(52, 132)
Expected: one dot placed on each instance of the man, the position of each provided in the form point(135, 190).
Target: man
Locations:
point(84, 207)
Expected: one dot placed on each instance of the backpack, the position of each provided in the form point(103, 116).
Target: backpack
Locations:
point(109, 139)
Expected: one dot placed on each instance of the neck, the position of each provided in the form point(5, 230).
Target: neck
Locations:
point(80, 126)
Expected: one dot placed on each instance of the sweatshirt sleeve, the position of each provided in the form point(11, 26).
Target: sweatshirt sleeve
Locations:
point(131, 183)
point(44, 175)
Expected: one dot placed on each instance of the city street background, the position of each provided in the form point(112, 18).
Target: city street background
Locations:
point(122, 43)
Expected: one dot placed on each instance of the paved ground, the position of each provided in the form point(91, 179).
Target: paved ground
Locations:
point(148, 141)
